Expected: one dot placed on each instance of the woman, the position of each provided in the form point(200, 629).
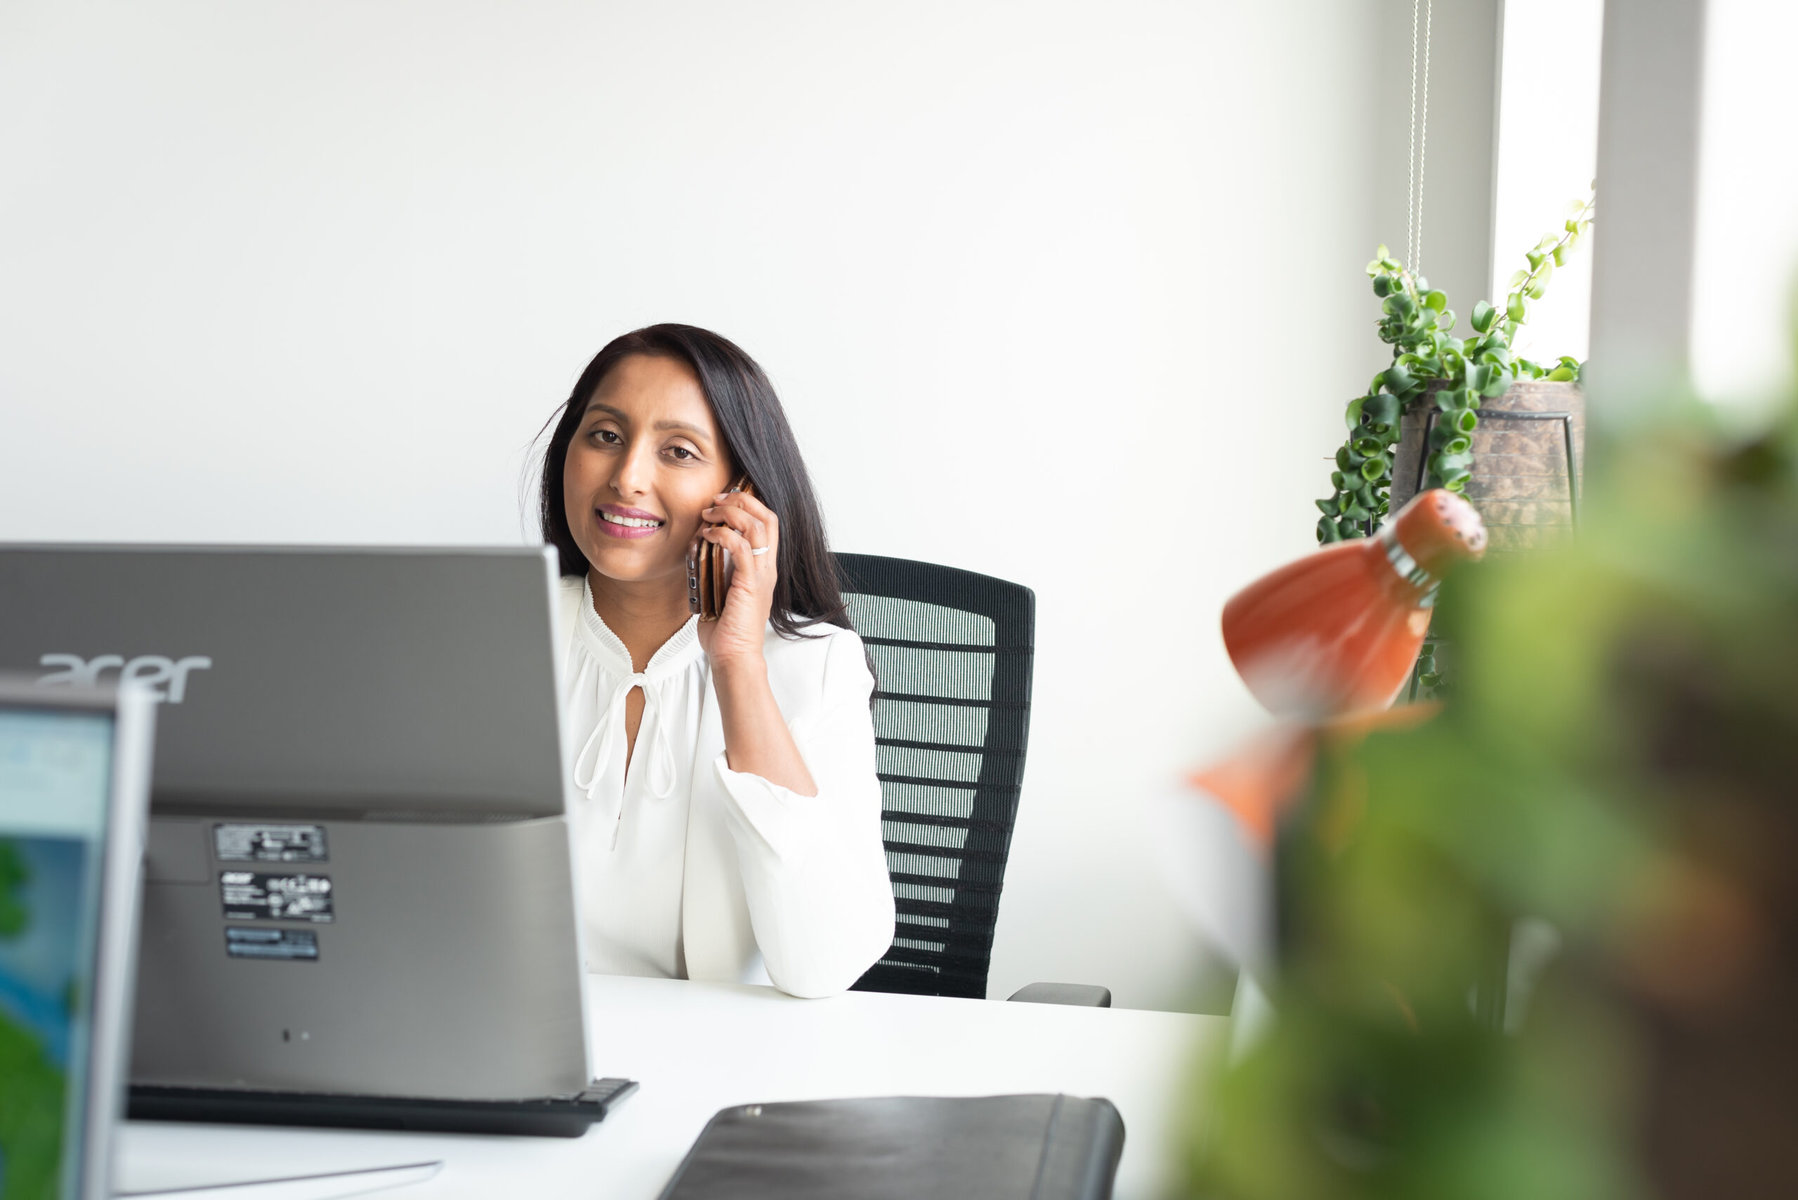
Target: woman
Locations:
point(727, 822)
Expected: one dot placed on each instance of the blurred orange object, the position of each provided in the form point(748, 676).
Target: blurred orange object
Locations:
point(1336, 632)
point(1268, 775)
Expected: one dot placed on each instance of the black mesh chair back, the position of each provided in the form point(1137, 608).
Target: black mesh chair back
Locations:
point(952, 657)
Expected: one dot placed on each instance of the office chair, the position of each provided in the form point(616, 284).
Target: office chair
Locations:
point(952, 655)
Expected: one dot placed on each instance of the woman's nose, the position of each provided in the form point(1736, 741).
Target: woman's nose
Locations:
point(632, 476)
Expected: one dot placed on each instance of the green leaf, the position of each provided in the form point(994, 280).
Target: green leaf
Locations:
point(1398, 380)
point(1326, 532)
point(1390, 264)
point(1369, 447)
point(1560, 256)
point(1373, 468)
point(1467, 420)
point(1518, 278)
point(1382, 285)
point(1514, 310)
point(1435, 301)
point(1458, 445)
point(1336, 480)
point(1353, 414)
point(1561, 375)
point(1482, 317)
point(1382, 409)
point(1535, 260)
point(1478, 377)
point(1327, 507)
point(1347, 530)
point(1446, 320)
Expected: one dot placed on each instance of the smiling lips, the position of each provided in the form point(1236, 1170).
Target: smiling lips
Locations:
point(617, 521)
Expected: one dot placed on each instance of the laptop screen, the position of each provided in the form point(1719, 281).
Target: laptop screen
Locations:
point(55, 782)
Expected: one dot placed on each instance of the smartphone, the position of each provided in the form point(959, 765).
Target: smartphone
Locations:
point(709, 569)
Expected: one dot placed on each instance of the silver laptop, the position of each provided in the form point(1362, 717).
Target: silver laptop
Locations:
point(74, 779)
point(359, 880)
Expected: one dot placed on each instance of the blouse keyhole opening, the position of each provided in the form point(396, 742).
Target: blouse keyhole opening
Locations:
point(633, 717)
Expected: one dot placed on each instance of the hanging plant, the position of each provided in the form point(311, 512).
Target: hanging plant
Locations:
point(1432, 366)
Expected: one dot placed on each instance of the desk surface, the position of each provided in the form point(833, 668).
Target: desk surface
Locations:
point(699, 1047)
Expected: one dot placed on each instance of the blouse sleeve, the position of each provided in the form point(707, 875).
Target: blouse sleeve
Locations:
point(814, 867)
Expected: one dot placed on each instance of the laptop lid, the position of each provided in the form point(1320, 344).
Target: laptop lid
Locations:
point(357, 679)
point(74, 782)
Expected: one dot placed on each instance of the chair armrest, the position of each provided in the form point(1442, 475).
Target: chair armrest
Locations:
point(1087, 995)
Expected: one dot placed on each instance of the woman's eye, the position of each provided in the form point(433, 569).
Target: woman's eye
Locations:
point(680, 452)
point(605, 435)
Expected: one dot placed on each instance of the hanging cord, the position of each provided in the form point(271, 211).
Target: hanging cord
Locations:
point(1420, 135)
point(1423, 135)
point(1411, 150)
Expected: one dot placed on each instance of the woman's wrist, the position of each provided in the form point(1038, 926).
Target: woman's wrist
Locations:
point(739, 668)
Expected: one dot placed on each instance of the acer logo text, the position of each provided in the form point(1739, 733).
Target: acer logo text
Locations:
point(152, 670)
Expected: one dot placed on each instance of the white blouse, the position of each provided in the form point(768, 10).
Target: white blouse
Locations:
point(688, 869)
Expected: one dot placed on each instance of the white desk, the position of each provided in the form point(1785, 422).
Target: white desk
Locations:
point(696, 1048)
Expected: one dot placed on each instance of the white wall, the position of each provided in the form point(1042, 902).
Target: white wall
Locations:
point(1066, 293)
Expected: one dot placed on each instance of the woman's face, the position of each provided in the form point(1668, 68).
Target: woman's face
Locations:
point(645, 459)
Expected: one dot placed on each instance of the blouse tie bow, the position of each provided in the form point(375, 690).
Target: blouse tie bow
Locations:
point(601, 745)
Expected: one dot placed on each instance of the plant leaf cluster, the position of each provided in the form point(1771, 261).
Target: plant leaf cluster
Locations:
point(1432, 365)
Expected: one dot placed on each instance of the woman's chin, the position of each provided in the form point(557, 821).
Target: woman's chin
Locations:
point(627, 562)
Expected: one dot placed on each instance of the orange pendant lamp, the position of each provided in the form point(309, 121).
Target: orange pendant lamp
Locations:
point(1336, 632)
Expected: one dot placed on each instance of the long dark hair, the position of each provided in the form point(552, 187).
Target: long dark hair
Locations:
point(760, 444)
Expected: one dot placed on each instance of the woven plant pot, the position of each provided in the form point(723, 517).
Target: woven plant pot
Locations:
point(1528, 455)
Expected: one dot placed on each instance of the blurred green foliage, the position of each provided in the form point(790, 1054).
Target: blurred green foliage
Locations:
point(15, 873)
point(1619, 761)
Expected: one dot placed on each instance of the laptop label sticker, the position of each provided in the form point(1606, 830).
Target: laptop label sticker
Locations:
point(261, 896)
point(291, 945)
point(269, 843)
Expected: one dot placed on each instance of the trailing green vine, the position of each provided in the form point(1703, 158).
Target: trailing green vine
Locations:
point(1431, 365)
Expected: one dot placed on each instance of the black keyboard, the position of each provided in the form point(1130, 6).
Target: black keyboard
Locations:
point(548, 1116)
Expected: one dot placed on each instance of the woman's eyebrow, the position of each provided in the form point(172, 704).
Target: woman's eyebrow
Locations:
point(618, 415)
